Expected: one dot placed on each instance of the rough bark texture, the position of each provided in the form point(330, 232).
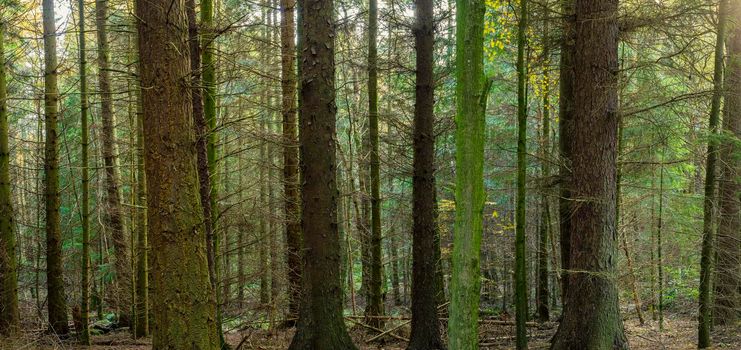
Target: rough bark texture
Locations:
point(290, 157)
point(711, 172)
point(425, 333)
point(56, 300)
point(728, 270)
point(183, 302)
point(122, 261)
point(85, 206)
point(9, 315)
point(591, 319)
point(565, 125)
point(321, 325)
point(470, 93)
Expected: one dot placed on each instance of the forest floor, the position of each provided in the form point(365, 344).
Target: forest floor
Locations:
point(679, 333)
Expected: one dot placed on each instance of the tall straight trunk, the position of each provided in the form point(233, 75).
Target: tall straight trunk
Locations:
point(56, 298)
point(521, 290)
point(591, 318)
point(543, 288)
point(375, 305)
point(659, 244)
point(183, 301)
point(84, 141)
point(425, 333)
point(320, 324)
point(471, 95)
point(142, 264)
point(565, 132)
point(9, 315)
point(292, 195)
point(728, 272)
point(711, 171)
point(122, 295)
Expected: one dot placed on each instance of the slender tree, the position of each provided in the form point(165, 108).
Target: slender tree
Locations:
point(471, 93)
point(543, 288)
point(728, 270)
point(113, 196)
point(591, 318)
point(56, 298)
point(709, 208)
point(320, 324)
point(9, 314)
point(85, 207)
point(425, 333)
point(183, 302)
point(521, 291)
point(374, 306)
point(290, 157)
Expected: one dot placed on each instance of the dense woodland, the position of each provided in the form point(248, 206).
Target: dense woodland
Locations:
point(352, 174)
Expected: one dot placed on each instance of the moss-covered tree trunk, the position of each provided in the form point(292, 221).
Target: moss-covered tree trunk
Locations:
point(85, 205)
point(711, 171)
point(122, 261)
point(728, 269)
point(292, 195)
point(521, 291)
point(56, 297)
point(425, 334)
point(183, 301)
point(320, 325)
point(9, 315)
point(470, 122)
point(591, 318)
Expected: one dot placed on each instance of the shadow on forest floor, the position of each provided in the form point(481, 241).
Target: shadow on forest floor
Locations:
point(679, 334)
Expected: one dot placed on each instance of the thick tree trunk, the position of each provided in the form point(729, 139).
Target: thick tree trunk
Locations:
point(471, 94)
point(56, 298)
point(123, 294)
point(728, 272)
point(183, 301)
point(320, 325)
point(591, 317)
point(9, 315)
point(425, 333)
point(290, 158)
point(711, 172)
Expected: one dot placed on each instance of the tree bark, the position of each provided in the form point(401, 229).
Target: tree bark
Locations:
point(711, 172)
point(591, 318)
point(85, 206)
point(183, 300)
point(543, 288)
point(425, 333)
point(321, 325)
point(728, 272)
point(471, 94)
point(56, 298)
point(9, 314)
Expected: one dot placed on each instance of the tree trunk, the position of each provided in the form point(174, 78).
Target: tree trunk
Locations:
point(543, 288)
point(122, 295)
point(9, 315)
point(591, 318)
point(728, 271)
point(521, 289)
point(711, 171)
point(85, 207)
point(184, 306)
point(320, 325)
point(290, 158)
point(142, 265)
point(471, 95)
point(565, 136)
point(56, 297)
point(425, 333)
